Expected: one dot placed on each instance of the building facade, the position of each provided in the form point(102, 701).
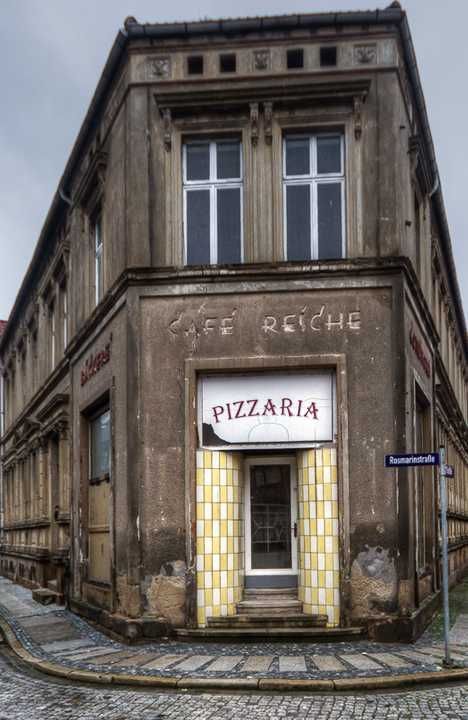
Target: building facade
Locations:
point(243, 297)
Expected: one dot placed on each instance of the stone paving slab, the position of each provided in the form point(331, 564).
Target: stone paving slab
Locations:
point(291, 663)
point(361, 661)
point(194, 662)
point(164, 661)
point(113, 658)
point(459, 631)
point(258, 663)
point(137, 660)
point(92, 652)
point(62, 646)
point(225, 663)
point(392, 661)
point(63, 638)
point(328, 663)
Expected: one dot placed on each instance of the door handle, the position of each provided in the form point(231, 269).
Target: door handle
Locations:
point(295, 529)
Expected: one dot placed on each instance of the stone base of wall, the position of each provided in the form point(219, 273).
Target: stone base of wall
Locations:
point(28, 572)
point(122, 628)
point(403, 629)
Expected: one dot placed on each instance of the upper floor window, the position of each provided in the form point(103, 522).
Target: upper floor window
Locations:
point(98, 240)
point(213, 201)
point(64, 303)
point(313, 191)
point(52, 335)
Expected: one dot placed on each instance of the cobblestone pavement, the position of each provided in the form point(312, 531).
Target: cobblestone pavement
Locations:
point(26, 697)
point(59, 636)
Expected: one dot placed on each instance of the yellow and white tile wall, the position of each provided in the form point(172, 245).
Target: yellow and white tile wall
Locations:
point(318, 532)
point(220, 532)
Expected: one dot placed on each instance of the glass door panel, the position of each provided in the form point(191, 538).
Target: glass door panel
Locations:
point(270, 517)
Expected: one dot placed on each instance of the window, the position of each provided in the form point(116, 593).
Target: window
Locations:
point(98, 258)
point(227, 63)
point(424, 482)
point(99, 499)
point(295, 58)
point(195, 65)
point(213, 202)
point(99, 446)
point(328, 56)
point(52, 335)
point(64, 297)
point(313, 192)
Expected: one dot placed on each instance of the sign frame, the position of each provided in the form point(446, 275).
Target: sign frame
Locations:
point(430, 459)
point(268, 445)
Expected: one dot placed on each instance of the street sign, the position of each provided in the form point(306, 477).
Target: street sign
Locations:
point(411, 460)
point(449, 471)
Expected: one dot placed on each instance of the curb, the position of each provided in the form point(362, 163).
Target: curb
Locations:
point(381, 682)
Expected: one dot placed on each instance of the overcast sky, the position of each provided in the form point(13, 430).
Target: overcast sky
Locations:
point(52, 53)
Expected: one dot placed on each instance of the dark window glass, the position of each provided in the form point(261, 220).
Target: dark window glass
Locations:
point(195, 65)
point(198, 227)
point(297, 156)
point(228, 160)
point(295, 58)
point(198, 161)
point(329, 220)
point(227, 63)
point(328, 155)
point(100, 446)
point(298, 222)
point(229, 225)
point(270, 517)
point(327, 56)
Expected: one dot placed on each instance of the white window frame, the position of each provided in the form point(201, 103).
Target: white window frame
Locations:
point(313, 179)
point(271, 460)
point(98, 240)
point(213, 184)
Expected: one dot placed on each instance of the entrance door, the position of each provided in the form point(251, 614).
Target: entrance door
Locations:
point(271, 522)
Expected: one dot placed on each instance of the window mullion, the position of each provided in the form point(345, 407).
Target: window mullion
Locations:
point(213, 225)
point(314, 220)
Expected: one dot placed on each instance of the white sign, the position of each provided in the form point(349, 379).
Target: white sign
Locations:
point(267, 409)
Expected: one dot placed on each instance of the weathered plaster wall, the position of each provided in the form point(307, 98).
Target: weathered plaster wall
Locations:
point(357, 323)
point(107, 385)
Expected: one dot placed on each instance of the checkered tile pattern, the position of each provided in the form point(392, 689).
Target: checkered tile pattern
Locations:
point(319, 576)
point(220, 532)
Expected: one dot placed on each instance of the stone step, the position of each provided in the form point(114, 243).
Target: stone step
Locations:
point(268, 620)
point(324, 635)
point(268, 606)
point(52, 585)
point(45, 596)
point(270, 592)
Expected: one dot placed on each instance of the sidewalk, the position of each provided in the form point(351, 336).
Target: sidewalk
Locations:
point(55, 641)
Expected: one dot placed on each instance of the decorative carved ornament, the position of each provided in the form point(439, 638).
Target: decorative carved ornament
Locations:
point(357, 112)
point(268, 113)
point(167, 127)
point(93, 181)
point(254, 123)
point(261, 59)
point(365, 54)
point(159, 67)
